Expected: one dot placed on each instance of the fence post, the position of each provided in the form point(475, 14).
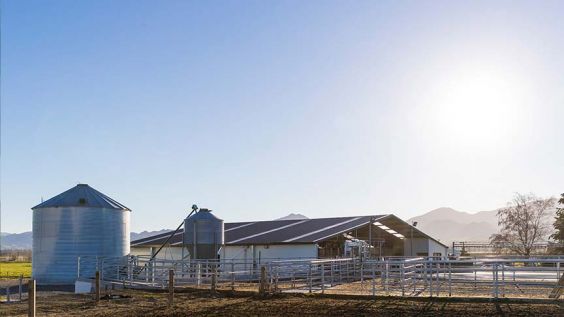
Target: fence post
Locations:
point(361, 272)
point(170, 287)
point(332, 272)
point(474, 265)
point(214, 279)
point(387, 268)
point(310, 279)
point(232, 276)
point(402, 275)
point(8, 294)
point(31, 298)
point(373, 279)
point(449, 279)
point(262, 285)
point(438, 279)
point(503, 280)
point(21, 286)
point(430, 266)
point(198, 274)
point(97, 295)
point(494, 279)
point(322, 278)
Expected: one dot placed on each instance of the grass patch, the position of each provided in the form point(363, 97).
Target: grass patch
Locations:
point(14, 269)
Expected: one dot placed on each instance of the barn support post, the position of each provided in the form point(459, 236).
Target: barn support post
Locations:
point(31, 298)
point(557, 271)
point(170, 287)
point(8, 294)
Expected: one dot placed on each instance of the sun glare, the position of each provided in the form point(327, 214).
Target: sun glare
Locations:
point(477, 107)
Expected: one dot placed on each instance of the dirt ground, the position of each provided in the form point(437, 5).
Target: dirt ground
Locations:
point(201, 303)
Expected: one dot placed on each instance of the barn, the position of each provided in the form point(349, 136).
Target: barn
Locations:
point(368, 236)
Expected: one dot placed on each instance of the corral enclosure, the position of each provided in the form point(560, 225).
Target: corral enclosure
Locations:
point(412, 277)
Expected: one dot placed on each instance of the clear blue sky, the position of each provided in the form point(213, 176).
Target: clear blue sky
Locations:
point(261, 108)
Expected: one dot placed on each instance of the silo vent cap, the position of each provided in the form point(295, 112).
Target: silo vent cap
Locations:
point(205, 210)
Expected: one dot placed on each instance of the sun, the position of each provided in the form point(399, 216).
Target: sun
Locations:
point(477, 106)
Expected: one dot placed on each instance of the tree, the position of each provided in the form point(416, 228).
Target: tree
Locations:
point(558, 235)
point(523, 223)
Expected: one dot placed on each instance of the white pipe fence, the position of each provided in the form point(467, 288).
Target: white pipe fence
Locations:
point(395, 276)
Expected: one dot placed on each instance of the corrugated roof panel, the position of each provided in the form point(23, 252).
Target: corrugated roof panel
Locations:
point(276, 231)
point(255, 228)
point(82, 195)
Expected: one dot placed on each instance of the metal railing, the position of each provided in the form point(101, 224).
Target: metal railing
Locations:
point(424, 276)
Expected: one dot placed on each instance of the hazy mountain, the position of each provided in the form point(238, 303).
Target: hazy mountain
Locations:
point(16, 240)
point(145, 234)
point(24, 240)
point(293, 216)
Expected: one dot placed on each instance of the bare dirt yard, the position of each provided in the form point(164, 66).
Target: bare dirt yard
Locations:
point(143, 303)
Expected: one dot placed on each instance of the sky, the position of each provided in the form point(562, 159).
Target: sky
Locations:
point(256, 109)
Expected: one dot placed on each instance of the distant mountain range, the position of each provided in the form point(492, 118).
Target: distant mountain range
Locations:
point(24, 240)
point(448, 225)
point(444, 224)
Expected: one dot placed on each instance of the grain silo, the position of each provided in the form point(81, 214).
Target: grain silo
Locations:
point(203, 235)
point(79, 222)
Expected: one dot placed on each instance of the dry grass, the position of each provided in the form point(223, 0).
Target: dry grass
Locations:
point(201, 303)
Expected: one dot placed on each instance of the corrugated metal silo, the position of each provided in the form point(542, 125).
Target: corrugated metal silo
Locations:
point(203, 234)
point(79, 222)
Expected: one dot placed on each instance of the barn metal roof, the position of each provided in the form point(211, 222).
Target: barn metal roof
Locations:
point(82, 195)
point(294, 231)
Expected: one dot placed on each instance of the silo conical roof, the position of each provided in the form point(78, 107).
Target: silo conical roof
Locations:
point(82, 195)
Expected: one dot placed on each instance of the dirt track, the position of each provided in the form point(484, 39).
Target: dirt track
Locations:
point(202, 304)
